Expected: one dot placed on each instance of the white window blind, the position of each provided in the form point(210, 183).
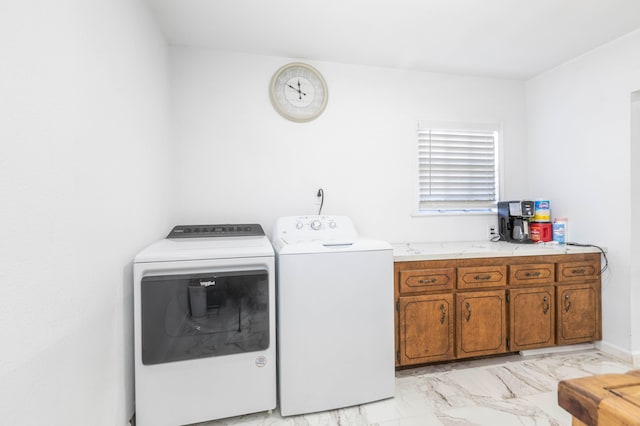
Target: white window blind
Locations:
point(457, 168)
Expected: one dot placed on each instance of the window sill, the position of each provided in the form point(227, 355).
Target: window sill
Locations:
point(453, 212)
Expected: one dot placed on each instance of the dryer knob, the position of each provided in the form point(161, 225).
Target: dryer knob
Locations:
point(332, 224)
point(299, 225)
point(316, 224)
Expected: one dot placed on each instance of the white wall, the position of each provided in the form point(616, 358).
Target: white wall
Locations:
point(237, 160)
point(579, 121)
point(635, 227)
point(88, 176)
point(83, 186)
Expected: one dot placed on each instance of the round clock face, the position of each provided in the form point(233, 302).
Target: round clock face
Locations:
point(298, 92)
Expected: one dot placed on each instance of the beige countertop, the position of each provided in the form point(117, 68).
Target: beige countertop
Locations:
point(404, 252)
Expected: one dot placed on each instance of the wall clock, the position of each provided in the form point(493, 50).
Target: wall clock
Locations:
point(298, 92)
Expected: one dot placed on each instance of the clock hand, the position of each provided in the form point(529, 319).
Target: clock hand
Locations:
point(298, 90)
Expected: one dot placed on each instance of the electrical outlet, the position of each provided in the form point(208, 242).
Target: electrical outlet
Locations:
point(492, 231)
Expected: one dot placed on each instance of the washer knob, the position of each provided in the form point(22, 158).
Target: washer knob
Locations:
point(299, 225)
point(316, 224)
point(332, 224)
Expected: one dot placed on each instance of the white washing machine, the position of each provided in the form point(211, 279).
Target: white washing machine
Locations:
point(335, 315)
point(204, 325)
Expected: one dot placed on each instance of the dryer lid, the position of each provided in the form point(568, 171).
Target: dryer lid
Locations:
point(184, 249)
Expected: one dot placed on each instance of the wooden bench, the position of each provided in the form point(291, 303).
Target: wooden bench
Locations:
point(602, 400)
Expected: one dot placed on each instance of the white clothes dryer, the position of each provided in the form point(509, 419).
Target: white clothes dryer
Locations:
point(204, 325)
point(335, 315)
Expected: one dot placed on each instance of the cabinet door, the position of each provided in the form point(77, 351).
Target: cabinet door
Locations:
point(578, 312)
point(425, 328)
point(531, 318)
point(481, 323)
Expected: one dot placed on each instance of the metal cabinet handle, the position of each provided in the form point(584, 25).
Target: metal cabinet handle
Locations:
point(430, 281)
point(532, 274)
point(444, 313)
point(545, 305)
point(468, 316)
point(482, 277)
point(567, 302)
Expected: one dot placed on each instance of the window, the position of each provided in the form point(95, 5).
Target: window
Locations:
point(457, 168)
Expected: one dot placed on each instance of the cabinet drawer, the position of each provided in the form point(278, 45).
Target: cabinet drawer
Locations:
point(482, 276)
point(585, 270)
point(420, 280)
point(539, 273)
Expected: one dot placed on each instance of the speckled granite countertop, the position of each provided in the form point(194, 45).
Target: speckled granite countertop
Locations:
point(404, 252)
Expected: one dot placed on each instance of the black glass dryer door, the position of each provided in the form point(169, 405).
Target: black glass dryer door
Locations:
point(204, 315)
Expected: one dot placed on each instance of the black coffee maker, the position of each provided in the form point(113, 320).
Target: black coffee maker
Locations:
point(513, 221)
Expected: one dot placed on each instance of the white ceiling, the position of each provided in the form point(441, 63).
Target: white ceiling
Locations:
point(513, 39)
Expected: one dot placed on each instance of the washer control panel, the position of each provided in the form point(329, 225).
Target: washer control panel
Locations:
point(315, 228)
point(208, 231)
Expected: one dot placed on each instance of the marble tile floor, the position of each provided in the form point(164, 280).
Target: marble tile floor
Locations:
point(507, 390)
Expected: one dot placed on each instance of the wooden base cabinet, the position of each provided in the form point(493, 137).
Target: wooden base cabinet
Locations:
point(454, 309)
point(579, 300)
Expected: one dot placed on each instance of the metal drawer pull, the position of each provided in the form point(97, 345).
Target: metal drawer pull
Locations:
point(468, 316)
point(532, 274)
point(567, 302)
point(432, 280)
point(482, 277)
point(545, 305)
point(578, 271)
point(444, 313)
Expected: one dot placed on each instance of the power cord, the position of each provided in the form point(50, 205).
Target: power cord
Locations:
point(606, 261)
point(321, 195)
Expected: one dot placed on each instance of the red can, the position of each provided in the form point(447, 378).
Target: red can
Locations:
point(541, 231)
